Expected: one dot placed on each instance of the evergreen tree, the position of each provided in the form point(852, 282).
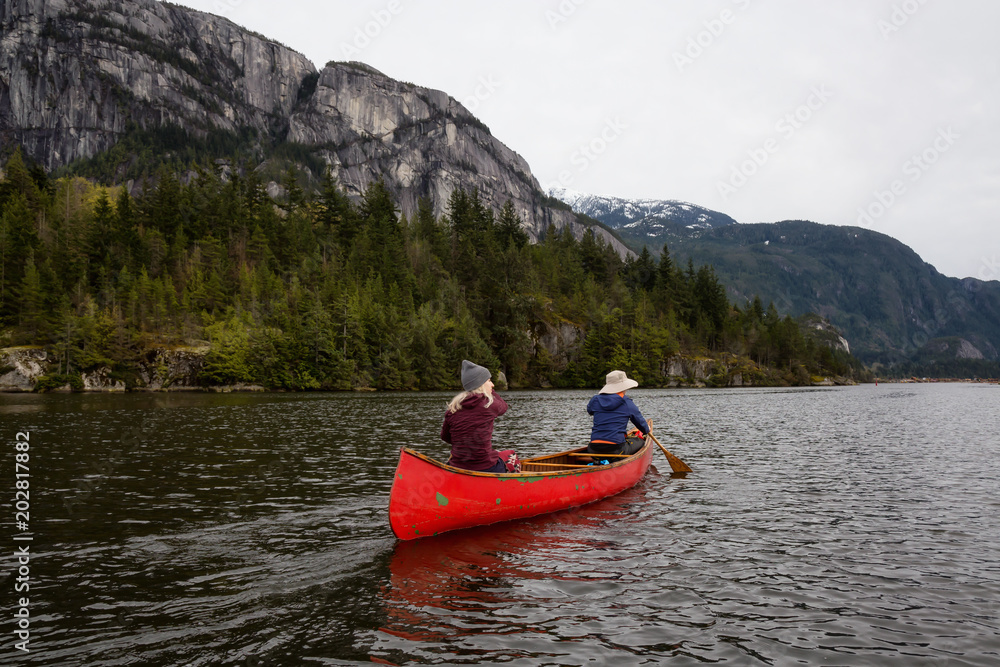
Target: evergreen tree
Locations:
point(17, 234)
point(327, 293)
point(31, 299)
point(124, 234)
point(710, 298)
point(164, 208)
point(592, 258)
point(336, 213)
point(295, 196)
point(21, 179)
point(666, 288)
point(510, 229)
point(640, 273)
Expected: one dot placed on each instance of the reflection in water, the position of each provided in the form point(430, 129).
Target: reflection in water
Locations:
point(446, 589)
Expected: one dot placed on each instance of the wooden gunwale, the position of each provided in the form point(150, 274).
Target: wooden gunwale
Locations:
point(564, 458)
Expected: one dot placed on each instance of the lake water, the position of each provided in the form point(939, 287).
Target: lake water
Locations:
point(838, 526)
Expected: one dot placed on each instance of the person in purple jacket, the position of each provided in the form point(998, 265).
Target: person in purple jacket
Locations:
point(612, 411)
point(468, 424)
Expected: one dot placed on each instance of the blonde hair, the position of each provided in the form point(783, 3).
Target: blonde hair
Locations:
point(455, 404)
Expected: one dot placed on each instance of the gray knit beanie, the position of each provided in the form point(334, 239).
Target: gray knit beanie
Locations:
point(473, 375)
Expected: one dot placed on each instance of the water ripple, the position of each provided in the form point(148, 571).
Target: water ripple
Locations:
point(841, 526)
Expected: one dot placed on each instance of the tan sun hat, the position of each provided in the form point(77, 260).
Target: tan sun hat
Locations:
point(617, 381)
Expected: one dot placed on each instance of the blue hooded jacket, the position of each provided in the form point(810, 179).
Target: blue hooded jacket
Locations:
point(611, 416)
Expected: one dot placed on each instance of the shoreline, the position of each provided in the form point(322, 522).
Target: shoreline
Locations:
point(259, 389)
point(30, 369)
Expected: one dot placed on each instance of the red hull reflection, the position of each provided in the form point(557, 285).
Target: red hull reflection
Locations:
point(449, 586)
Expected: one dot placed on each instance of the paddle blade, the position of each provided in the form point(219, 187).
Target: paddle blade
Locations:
point(675, 463)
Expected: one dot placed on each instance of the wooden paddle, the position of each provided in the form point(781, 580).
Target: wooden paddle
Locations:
point(675, 463)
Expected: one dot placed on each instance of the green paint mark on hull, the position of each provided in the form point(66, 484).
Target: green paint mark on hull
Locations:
point(442, 501)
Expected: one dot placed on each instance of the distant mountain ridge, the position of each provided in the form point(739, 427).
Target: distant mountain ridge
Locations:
point(892, 307)
point(79, 76)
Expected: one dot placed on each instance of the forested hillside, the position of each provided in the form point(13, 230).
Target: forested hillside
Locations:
point(898, 312)
point(311, 290)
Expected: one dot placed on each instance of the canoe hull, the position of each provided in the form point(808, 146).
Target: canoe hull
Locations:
point(429, 497)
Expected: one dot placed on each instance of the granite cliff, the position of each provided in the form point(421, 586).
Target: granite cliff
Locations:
point(76, 76)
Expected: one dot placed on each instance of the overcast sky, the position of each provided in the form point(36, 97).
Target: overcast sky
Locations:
point(877, 113)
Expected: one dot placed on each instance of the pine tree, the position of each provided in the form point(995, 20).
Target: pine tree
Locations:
point(711, 302)
point(164, 208)
point(510, 229)
point(5, 243)
point(21, 180)
point(641, 273)
point(31, 300)
point(124, 236)
point(666, 279)
point(336, 212)
point(295, 196)
point(99, 236)
point(592, 258)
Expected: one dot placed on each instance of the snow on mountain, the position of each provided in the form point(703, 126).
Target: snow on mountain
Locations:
point(649, 217)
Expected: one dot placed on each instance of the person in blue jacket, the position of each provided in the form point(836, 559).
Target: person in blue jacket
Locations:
point(612, 411)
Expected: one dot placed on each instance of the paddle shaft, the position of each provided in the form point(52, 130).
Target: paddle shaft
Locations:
point(675, 463)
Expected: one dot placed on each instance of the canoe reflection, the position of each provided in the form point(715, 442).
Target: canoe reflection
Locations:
point(459, 584)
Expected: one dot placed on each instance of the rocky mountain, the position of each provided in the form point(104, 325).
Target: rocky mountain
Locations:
point(79, 76)
point(890, 305)
point(640, 221)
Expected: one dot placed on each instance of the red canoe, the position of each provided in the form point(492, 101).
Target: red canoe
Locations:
point(429, 497)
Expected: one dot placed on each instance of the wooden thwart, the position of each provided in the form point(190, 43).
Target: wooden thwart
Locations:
point(553, 465)
point(605, 456)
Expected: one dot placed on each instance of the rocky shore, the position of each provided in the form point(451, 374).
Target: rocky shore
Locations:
point(32, 369)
